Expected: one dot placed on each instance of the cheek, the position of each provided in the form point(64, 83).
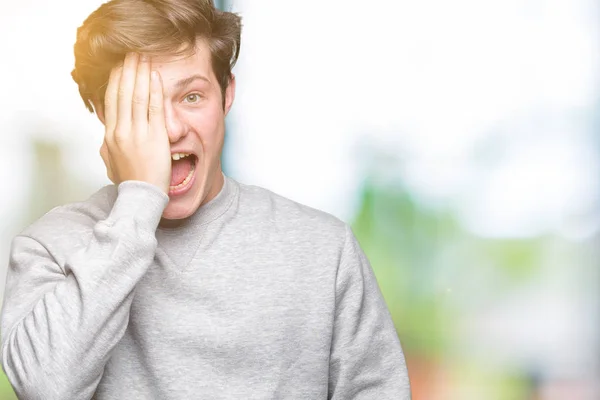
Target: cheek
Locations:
point(209, 125)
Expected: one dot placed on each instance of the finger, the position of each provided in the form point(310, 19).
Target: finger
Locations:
point(141, 94)
point(156, 111)
point(125, 95)
point(110, 100)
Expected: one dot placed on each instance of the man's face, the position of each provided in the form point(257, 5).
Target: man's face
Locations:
point(195, 122)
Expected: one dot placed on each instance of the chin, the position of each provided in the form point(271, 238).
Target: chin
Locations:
point(185, 200)
point(178, 209)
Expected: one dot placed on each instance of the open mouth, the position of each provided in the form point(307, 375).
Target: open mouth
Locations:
point(183, 166)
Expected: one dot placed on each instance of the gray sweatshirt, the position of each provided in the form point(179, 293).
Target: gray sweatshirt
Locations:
point(252, 297)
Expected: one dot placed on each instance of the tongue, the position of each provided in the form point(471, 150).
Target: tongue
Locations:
point(180, 169)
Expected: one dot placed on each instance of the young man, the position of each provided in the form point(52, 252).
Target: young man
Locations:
point(178, 282)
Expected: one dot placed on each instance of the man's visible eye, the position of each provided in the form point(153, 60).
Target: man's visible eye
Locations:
point(192, 98)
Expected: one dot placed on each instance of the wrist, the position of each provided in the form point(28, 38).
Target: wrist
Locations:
point(142, 201)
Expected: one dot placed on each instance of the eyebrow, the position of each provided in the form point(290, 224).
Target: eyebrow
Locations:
point(186, 81)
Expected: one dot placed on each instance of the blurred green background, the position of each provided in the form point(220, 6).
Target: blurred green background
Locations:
point(460, 141)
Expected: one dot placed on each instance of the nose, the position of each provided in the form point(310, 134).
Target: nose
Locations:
point(174, 124)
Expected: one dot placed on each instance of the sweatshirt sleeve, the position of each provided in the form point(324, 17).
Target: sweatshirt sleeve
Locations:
point(59, 323)
point(366, 360)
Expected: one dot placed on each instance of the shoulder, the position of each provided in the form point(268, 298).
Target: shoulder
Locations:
point(264, 206)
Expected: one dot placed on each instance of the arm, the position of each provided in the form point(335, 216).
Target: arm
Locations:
point(58, 326)
point(366, 359)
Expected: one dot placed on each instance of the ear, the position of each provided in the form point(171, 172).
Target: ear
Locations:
point(99, 110)
point(230, 94)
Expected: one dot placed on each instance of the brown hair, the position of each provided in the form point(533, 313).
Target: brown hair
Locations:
point(154, 27)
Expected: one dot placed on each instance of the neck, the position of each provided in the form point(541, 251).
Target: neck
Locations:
point(216, 185)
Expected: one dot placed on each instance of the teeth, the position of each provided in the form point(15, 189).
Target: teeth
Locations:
point(185, 181)
point(179, 156)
